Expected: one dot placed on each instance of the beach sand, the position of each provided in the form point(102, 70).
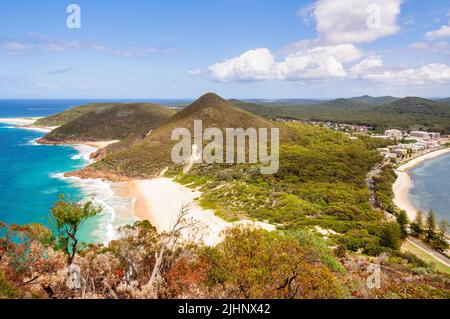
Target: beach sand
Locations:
point(404, 183)
point(19, 121)
point(160, 200)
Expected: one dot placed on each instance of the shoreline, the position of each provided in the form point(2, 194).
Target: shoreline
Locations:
point(160, 200)
point(404, 183)
point(108, 195)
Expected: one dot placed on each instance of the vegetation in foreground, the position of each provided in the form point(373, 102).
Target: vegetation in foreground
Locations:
point(249, 263)
point(321, 185)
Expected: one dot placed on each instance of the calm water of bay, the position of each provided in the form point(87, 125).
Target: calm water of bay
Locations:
point(431, 189)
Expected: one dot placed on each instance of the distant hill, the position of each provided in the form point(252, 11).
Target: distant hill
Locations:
point(343, 103)
point(415, 105)
point(445, 101)
point(107, 122)
point(72, 113)
point(150, 156)
point(409, 113)
point(370, 100)
point(284, 101)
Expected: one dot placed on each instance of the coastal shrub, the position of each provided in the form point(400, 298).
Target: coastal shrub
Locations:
point(357, 239)
point(391, 236)
point(6, 290)
point(373, 250)
point(254, 263)
point(383, 187)
point(412, 259)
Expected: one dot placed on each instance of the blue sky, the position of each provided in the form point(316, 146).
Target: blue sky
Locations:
point(237, 48)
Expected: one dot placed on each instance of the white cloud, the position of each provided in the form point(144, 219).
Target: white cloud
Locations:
point(356, 21)
point(442, 32)
point(47, 85)
point(194, 72)
point(136, 52)
point(260, 64)
point(318, 63)
point(366, 65)
point(252, 65)
point(372, 68)
point(409, 21)
point(333, 55)
point(38, 42)
point(442, 47)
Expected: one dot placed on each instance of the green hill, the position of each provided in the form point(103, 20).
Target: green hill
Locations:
point(150, 156)
point(409, 113)
point(108, 122)
point(370, 100)
point(415, 106)
point(343, 104)
point(71, 114)
point(445, 101)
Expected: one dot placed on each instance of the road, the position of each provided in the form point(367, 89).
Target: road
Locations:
point(443, 259)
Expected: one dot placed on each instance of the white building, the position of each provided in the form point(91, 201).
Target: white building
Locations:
point(394, 134)
point(425, 135)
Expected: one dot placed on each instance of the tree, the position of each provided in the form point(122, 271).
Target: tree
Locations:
point(67, 219)
point(417, 227)
point(402, 220)
point(431, 226)
point(443, 227)
point(440, 242)
point(391, 236)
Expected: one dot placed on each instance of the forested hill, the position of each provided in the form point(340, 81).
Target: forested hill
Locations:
point(106, 122)
point(408, 113)
point(150, 156)
point(72, 113)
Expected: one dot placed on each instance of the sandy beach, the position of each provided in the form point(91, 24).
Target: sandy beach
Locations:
point(404, 183)
point(19, 121)
point(160, 201)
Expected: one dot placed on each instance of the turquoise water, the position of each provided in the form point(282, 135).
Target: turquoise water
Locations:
point(32, 178)
point(32, 175)
point(27, 184)
point(431, 189)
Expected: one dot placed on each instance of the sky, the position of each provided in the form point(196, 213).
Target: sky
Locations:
point(237, 48)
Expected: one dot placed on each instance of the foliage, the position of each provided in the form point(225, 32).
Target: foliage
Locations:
point(383, 187)
point(256, 264)
point(391, 236)
point(67, 219)
point(402, 220)
point(417, 227)
point(409, 113)
point(110, 122)
point(6, 290)
point(431, 226)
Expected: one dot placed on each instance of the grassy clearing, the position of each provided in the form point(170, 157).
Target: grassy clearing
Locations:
point(435, 263)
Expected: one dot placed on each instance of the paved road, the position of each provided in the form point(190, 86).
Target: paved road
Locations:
point(443, 259)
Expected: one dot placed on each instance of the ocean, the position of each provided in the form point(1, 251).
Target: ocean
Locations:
point(431, 190)
point(32, 175)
